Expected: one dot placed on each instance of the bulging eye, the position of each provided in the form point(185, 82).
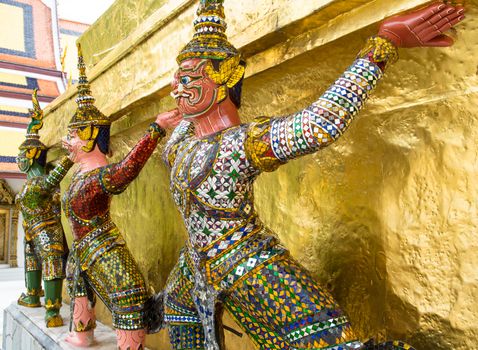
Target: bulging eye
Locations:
point(185, 80)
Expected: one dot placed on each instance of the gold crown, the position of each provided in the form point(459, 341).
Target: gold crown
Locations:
point(210, 40)
point(32, 139)
point(86, 113)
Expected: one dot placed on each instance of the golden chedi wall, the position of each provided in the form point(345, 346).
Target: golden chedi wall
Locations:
point(386, 217)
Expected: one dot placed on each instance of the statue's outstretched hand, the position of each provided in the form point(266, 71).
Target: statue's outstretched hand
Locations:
point(169, 120)
point(424, 27)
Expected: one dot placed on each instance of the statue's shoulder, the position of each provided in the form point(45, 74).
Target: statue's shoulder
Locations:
point(235, 135)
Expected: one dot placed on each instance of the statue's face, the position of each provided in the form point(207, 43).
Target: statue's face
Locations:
point(73, 144)
point(194, 91)
point(23, 162)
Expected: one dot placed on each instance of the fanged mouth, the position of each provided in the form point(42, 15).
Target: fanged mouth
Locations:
point(66, 147)
point(179, 95)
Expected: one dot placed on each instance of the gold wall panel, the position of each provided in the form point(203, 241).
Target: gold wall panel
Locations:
point(120, 20)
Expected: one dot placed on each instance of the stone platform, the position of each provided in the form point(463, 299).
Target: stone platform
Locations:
point(24, 329)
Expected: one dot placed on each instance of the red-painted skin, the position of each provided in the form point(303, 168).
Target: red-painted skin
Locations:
point(424, 27)
point(196, 96)
point(84, 313)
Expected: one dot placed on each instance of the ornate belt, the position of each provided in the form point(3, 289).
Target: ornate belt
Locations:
point(34, 229)
point(96, 243)
point(236, 253)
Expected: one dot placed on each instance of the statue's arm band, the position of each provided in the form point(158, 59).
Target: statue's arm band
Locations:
point(59, 172)
point(156, 131)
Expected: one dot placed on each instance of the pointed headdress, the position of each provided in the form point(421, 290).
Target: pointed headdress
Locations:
point(86, 113)
point(87, 118)
point(32, 144)
point(210, 42)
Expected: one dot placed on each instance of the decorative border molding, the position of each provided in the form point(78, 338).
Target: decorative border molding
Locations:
point(14, 114)
point(7, 197)
point(7, 159)
point(30, 69)
point(8, 175)
point(24, 96)
point(8, 124)
point(32, 84)
point(70, 32)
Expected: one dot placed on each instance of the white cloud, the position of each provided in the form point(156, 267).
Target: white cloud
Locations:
point(84, 11)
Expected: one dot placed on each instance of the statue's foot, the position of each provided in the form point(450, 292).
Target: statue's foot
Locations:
point(29, 300)
point(80, 339)
point(53, 302)
point(53, 319)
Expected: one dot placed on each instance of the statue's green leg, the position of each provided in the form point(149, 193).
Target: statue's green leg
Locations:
point(32, 278)
point(33, 284)
point(53, 289)
point(49, 247)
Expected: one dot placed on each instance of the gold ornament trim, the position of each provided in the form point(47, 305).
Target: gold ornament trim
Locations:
point(34, 292)
point(81, 327)
point(227, 73)
point(89, 133)
point(256, 147)
point(383, 50)
point(50, 306)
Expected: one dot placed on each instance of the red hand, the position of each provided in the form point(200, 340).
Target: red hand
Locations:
point(423, 27)
point(169, 120)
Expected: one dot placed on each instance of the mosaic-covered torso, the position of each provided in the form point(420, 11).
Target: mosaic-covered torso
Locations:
point(211, 183)
point(39, 203)
point(87, 200)
point(86, 204)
